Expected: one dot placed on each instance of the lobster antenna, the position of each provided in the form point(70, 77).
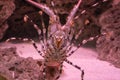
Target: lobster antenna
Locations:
point(72, 14)
point(44, 8)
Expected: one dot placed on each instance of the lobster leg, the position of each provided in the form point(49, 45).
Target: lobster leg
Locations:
point(83, 42)
point(44, 28)
point(26, 39)
point(44, 72)
point(35, 46)
point(60, 72)
point(42, 41)
point(79, 68)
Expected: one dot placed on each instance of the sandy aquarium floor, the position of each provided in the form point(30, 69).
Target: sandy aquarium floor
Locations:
point(86, 58)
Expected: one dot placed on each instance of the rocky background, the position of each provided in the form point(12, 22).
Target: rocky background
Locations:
point(13, 67)
point(108, 45)
point(6, 9)
point(101, 19)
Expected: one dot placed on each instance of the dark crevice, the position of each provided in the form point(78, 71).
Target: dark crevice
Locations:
point(1, 6)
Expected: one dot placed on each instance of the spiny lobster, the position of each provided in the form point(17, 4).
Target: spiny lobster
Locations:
point(57, 45)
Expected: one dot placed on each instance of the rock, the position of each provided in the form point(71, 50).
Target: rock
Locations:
point(6, 9)
point(28, 69)
point(108, 45)
point(5, 74)
point(13, 67)
point(115, 2)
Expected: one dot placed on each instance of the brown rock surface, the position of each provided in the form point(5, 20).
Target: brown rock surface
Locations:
point(6, 9)
point(14, 67)
point(108, 45)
